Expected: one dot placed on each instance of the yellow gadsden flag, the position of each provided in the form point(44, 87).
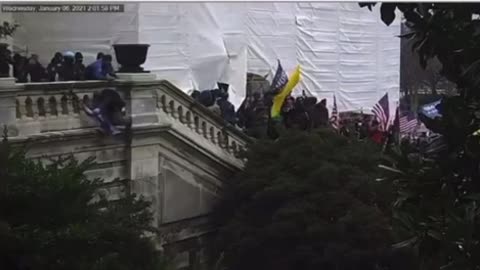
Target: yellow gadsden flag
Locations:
point(280, 97)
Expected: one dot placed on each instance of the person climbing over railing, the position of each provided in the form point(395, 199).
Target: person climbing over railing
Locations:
point(108, 109)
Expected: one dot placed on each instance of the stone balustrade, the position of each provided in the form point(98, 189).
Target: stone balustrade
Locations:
point(191, 118)
point(46, 107)
point(41, 108)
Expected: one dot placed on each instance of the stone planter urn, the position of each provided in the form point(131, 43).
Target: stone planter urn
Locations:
point(131, 57)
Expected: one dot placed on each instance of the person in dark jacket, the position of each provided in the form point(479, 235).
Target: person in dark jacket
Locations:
point(288, 112)
point(301, 118)
point(364, 127)
point(321, 114)
point(227, 110)
point(245, 113)
point(35, 70)
point(100, 55)
point(79, 67)
point(4, 65)
point(107, 108)
point(54, 67)
point(20, 69)
point(66, 72)
point(107, 66)
point(345, 128)
point(15, 60)
point(309, 104)
point(207, 98)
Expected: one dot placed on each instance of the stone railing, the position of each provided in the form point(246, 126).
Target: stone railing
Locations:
point(37, 109)
point(46, 107)
point(190, 117)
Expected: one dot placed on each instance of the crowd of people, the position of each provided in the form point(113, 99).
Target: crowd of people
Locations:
point(253, 116)
point(303, 112)
point(68, 66)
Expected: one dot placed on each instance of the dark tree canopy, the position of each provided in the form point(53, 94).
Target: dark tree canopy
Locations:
point(52, 218)
point(307, 201)
point(437, 206)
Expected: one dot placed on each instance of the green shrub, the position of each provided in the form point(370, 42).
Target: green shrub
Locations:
point(52, 217)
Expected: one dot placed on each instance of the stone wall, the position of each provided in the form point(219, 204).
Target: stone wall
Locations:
point(176, 152)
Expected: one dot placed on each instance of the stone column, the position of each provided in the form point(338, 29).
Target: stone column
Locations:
point(8, 115)
point(143, 156)
point(141, 104)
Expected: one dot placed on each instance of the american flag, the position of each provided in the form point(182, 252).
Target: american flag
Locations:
point(334, 118)
point(382, 112)
point(279, 80)
point(408, 123)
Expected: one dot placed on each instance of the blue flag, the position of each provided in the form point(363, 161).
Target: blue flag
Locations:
point(430, 110)
point(279, 80)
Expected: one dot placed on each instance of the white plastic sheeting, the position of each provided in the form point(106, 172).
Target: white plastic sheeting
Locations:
point(343, 50)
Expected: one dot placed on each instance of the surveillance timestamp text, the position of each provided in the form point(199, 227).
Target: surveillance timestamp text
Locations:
point(73, 8)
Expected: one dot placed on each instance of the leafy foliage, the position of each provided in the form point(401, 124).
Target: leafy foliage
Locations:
point(437, 187)
point(52, 217)
point(307, 201)
point(435, 212)
point(416, 82)
point(7, 29)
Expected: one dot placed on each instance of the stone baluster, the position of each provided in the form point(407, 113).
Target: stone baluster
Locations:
point(188, 119)
point(211, 135)
point(39, 107)
point(53, 106)
point(196, 124)
point(22, 107)
point(65, 107)
point(75, 104)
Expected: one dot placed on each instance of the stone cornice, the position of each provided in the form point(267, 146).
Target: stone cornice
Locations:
point(147, 130)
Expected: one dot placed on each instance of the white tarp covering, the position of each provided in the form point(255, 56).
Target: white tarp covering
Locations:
point(343, 50)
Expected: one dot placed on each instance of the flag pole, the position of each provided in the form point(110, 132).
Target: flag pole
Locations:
point(396, 121)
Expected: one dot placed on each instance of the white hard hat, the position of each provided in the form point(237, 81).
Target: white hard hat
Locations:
point(68, 54)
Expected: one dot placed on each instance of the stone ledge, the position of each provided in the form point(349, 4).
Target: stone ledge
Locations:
point(7, 82)
point(136, 130)
point(68, 85)
point(134, 77)
point(63, 135)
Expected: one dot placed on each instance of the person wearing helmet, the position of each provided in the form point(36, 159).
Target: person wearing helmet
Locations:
point(54, 67)
point(66, 72)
